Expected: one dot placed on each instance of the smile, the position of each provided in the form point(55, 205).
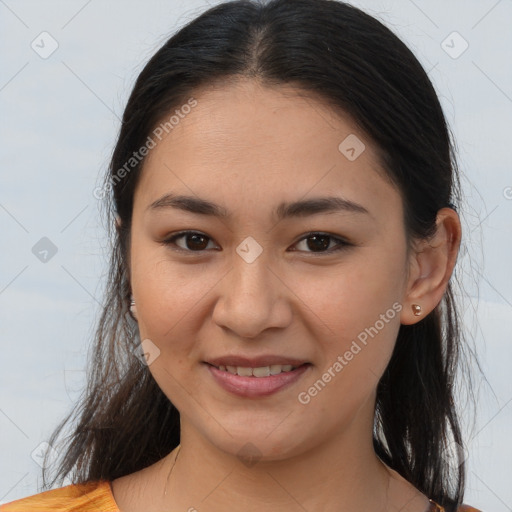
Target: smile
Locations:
point(262, 371)
point(256, 382)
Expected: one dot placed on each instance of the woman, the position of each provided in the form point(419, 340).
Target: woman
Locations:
point(280, 329)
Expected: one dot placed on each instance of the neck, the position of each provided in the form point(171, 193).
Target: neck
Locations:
point(341, 474)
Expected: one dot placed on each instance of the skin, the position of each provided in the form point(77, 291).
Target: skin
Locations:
point(264, 146)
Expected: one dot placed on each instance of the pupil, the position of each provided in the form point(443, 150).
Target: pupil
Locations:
point(317, 244)
point(196, 240)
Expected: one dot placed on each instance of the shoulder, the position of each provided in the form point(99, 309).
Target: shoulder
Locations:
point(467, 508)
point(86, 497)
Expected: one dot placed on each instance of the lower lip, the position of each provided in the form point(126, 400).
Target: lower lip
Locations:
point(256, 386)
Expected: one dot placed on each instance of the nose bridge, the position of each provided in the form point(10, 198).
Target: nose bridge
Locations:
point(251, 283)
point(251, 277)
point(251, 271)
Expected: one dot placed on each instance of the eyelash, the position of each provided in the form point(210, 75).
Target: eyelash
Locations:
point(342, 244)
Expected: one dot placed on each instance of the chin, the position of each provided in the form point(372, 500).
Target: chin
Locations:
point(251, 446)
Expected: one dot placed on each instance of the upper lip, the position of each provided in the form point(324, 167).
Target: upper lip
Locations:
point(254, 362)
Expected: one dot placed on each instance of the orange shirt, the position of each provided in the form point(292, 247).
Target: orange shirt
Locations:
point(90, 497)
point(98, 497)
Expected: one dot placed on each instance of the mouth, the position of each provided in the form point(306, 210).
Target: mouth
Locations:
point(258, 377)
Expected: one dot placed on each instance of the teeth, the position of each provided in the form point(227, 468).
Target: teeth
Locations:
point(244, 372)
point(263, 371)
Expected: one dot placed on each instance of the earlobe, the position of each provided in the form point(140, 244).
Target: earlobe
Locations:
point(432, 264)
point(133, 308)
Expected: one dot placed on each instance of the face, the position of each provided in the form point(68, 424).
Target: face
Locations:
point(297, 258)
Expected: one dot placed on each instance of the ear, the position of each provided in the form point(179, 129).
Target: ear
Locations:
point(431, 265)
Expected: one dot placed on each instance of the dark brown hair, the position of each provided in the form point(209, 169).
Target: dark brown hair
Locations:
point(351, 60)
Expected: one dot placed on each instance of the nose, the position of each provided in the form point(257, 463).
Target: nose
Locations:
point(252, 298)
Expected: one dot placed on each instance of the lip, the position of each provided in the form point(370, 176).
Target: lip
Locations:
point(252, 387)
point(254, 362)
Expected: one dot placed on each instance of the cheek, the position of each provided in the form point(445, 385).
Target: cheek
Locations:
point(351, 364)
point(354, 296)
point(168, 303)
point(358, 307)
point(166, 293)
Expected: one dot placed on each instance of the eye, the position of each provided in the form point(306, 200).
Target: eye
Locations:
point(321, 242)
point(194, 241)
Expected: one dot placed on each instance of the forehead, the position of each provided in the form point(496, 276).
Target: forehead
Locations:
point(247, 119)
point(262, 143)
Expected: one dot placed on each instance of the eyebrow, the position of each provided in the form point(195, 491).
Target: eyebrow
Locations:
point(304, 208)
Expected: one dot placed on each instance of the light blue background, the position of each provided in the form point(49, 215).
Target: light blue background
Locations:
point(59, 120)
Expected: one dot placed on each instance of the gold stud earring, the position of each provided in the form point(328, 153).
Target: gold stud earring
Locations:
point(416, 309)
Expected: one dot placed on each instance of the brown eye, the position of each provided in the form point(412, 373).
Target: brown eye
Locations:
point(321, 242)
point(196, 242)
point(318, 242)
point(193, 241)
